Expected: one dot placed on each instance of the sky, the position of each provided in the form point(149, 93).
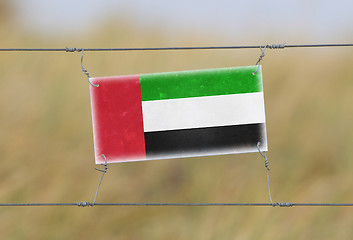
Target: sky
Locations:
point(315, 20)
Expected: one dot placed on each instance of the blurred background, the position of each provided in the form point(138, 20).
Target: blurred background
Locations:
point(46, 141)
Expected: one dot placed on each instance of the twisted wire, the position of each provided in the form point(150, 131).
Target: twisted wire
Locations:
point(105, 164)
point(83, 69)
point(263, 154)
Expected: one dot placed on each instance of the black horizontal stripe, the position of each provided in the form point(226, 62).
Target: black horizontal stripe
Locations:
point(204, 141)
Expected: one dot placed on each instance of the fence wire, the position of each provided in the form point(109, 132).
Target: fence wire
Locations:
point(268, 46)
point(88, 204)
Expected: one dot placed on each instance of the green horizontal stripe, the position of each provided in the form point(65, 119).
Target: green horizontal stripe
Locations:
point(199, 83)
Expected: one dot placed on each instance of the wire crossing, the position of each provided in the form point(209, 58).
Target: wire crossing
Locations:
point(272, 46)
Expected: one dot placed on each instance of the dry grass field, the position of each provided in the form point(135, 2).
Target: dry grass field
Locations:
point(46, 145)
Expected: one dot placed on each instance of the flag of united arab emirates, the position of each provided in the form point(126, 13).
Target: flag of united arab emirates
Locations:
point(178, 114)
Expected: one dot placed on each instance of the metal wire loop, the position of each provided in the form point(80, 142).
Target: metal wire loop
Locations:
point(260, 58)
point(85, 71)
point(273, 46)
point(263, 154)
point(105, 164)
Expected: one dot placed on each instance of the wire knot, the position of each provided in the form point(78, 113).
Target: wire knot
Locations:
point(276, 46)
point(260, 59)
point(84, 204)
point(263, 154)
point(261, 55)
point(263, 48)
point(68, 49)
point(105, 164)
point(267, 164)
point(283, 204)
point(85, 71)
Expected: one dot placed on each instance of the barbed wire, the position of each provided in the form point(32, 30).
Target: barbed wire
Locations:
point(270, 46)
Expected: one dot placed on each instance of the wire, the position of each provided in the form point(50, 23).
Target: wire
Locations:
point(273, 46)
point(104, 171)
point(86, 204)
point(35, 204)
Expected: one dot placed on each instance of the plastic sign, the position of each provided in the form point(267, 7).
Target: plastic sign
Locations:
point(178, 114)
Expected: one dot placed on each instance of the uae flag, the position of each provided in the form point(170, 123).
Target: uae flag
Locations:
point(178, 114)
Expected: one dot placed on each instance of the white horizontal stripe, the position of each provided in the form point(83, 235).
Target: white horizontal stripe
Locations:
point(198, 112)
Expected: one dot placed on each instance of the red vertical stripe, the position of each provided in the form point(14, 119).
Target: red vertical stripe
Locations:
point(117, 119)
